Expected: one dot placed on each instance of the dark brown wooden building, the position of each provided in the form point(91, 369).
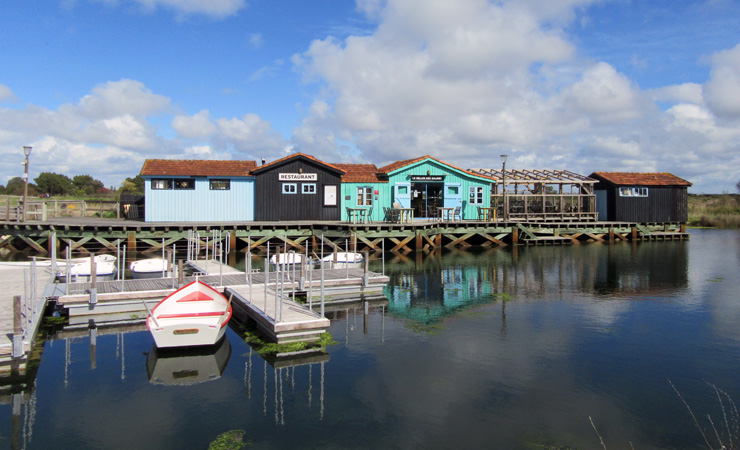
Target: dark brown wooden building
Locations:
point(641, 197)
point(297, 187)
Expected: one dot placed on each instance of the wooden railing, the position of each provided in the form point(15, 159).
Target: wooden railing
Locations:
point(11, 208)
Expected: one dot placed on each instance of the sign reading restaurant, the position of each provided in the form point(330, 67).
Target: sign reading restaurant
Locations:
point(298, 177)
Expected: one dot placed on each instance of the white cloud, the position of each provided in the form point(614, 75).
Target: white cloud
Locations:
point(683, 93)
point(6, 94)
point(121, 97)
point(722, 91)
point(198, 126)
point(217, 9)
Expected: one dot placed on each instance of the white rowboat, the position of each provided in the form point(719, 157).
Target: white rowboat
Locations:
point(148, 268)
point(344, 260)
point(195, 314)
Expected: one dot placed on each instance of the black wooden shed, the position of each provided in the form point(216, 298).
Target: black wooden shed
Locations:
point(655, 197)
point(297, 187)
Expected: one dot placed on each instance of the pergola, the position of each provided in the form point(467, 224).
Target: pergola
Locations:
point(541, 194)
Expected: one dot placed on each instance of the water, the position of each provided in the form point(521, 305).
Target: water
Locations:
point(480, 349)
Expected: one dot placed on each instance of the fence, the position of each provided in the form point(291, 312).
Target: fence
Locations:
point(11, 208)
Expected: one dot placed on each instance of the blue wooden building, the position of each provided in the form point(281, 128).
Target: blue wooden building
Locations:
point(198, 190)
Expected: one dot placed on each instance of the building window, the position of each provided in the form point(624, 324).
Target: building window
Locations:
point(185, 183)
point(290, 188)
point(633, 192)
point(308, 188)
point(220, 185)
point(158, 184)
point(364, 196)
point(476, 195)
point(452, 191)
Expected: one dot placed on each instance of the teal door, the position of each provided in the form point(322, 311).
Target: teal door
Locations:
point(402, 194)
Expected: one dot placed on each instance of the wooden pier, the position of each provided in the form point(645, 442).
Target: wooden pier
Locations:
point(91, 235)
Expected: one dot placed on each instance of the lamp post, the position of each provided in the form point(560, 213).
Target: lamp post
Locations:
point(27, 152)
point(503, 183)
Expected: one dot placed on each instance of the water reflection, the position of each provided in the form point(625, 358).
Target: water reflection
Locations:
point(429, 289)
point(498, 348)
point(184, 367)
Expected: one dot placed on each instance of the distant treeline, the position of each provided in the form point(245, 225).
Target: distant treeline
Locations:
point(54, 184)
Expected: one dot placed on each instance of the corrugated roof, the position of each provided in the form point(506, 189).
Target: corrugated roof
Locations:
point(360, 173)
point(640, 178)
point(197, 168)
point(400, 164)
point(296, 155)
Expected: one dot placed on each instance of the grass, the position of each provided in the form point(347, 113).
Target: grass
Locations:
point(270, 348)
point(716, 211)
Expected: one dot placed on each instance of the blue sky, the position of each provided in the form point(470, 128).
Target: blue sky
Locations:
point(97, 86)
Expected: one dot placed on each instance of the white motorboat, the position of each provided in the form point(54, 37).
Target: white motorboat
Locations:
point(286, 261)
point(82, 272)
point(148, 268)
point(45, 262)
point(196, 314)
point(343, 260)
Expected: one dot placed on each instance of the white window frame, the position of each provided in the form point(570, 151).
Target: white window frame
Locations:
point(161, 184)
point(633, 192)
point(475, 195)
point(290, 188)
point(364, 196)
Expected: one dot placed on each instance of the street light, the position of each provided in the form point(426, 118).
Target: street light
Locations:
point(27, 152)
point(506, 206)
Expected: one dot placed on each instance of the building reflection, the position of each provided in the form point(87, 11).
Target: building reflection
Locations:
point(427, 289)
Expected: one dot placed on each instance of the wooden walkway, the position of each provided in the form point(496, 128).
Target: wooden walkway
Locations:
point(270, 304)
point(14, 282)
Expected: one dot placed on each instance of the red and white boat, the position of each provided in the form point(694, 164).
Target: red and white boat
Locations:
point(195, 314)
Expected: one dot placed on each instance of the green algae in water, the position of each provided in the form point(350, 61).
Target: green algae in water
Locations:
point(230, 440)
point(271, 348)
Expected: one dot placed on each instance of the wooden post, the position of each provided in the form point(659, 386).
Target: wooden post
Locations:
point(419, 241)
point(438, 240)
point(17, 329)
point(180, 275)
point(611, 234)
point(366, 268)
point(515, 235)
point(634, 233)
point(131, 241)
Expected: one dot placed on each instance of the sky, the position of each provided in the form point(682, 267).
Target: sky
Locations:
point(98, 86)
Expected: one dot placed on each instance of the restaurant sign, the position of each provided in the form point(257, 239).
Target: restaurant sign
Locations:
point(428, 177)
point(298, 177)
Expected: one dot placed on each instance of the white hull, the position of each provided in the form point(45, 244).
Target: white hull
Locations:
point(148, 268)
point(81, 273)
point(287, 261)
point(193, 315)
point(344, 260)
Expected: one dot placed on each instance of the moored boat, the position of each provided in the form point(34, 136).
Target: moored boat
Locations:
point(196, 314)
point(148, 268)
point(343, 260)
point(286, 261)
point(81, 272)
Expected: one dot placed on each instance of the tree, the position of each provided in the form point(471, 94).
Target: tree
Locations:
point(15, 187)
point(87, 185)
point(738, 186)
point(132, 186)
point(54, 183)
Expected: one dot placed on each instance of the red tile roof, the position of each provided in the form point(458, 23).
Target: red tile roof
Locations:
point(399, 164)
point(296, 155)
point(640, 178)
point(182, 167)
point(360, 173)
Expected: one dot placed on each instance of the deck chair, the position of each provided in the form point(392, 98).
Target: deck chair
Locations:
point(368, 214)
point(457, 215)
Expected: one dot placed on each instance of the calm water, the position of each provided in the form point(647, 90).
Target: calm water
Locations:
point(489, 349)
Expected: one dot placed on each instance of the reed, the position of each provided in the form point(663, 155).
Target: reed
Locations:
point(717, 211)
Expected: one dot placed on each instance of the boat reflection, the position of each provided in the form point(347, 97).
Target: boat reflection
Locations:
point(184, 367)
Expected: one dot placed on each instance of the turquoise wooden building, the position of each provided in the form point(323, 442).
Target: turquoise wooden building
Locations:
point(198, 191)
point(427, 183)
